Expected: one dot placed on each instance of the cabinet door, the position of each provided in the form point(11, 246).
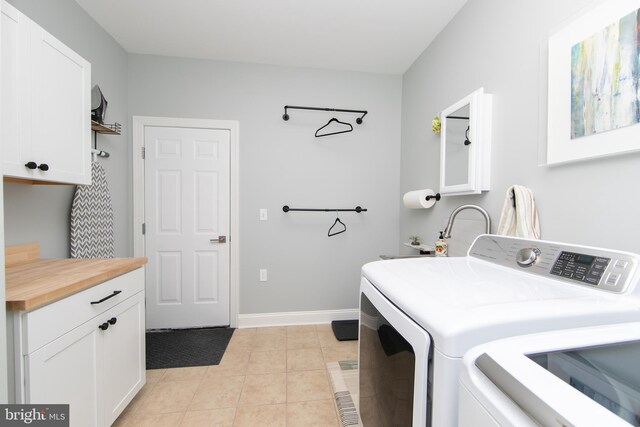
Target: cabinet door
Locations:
point(124, 355)
point(61, 104)
point(15, 124)
point(68, 371)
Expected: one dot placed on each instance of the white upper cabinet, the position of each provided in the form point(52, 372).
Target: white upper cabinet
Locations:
point(46, 103)
point(14, 92)
point(465, 145)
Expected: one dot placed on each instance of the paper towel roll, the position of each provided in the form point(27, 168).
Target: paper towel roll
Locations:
point(418, 199)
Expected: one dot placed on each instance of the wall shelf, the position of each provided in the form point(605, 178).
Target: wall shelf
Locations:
point(422, 248)
point(107, 128)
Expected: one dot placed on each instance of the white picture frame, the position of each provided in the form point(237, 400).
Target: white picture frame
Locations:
point(561, 148)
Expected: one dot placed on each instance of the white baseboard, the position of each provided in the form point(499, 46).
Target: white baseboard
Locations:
point(295, 318)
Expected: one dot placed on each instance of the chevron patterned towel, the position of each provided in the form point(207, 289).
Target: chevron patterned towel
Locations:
point(92, 218)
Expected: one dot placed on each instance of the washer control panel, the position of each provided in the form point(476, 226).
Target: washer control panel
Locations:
point(525, 257)
point(581, 267)
point(594, 267)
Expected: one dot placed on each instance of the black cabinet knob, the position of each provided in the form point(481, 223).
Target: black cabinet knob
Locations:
point(113, 321)
point(31, 165)
point(44, 167)
point(104, 326)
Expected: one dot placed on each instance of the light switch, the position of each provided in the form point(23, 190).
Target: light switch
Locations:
point(263, 274)
point(263, 214)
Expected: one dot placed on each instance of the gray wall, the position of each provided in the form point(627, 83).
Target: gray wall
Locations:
point(496, 44)
point(282, 163)
point(41, 213)
point(501, 45)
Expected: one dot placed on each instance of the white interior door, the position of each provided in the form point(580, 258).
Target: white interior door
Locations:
point(187, 226)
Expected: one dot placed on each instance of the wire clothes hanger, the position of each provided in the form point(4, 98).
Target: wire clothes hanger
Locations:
point(334, 133)
point(339, 229)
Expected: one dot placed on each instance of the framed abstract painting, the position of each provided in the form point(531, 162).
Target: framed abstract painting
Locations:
point(594, 84)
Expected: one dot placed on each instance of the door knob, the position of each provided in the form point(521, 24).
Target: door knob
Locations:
point(31, 165)
point(112, 321)
point(221, 239)
point(43, 167)
point(104, 326)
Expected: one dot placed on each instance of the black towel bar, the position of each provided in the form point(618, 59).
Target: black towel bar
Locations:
point(357, 209)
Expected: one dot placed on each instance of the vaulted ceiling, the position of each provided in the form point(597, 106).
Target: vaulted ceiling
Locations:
point(380, 36)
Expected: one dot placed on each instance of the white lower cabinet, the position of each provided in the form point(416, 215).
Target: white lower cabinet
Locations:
point(97, 366)
point(124, 356)
point(67, 371)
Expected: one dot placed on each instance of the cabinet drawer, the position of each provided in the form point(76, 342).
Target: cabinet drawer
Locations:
point(52, 321)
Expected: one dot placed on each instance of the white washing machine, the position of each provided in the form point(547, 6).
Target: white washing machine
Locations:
point(418, 317)
point(577, 377)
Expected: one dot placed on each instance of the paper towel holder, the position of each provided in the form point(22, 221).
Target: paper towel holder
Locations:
point(436, 196)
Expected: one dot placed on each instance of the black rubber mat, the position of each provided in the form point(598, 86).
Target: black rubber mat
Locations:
point(345, 330)
point(180, 348)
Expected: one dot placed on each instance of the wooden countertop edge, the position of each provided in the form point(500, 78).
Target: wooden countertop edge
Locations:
point(31, 303)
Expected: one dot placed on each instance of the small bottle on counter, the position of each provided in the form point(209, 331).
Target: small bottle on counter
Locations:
point(441, 246)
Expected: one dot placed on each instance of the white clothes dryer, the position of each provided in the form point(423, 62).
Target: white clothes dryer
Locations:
point(418, 317)
point(576, 377)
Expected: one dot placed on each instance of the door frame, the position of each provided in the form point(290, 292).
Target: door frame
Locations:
point(139, 124)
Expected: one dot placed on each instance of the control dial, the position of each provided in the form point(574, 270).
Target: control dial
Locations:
point(527, 256)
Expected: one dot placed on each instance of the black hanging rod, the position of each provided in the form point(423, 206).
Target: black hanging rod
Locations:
point(285, 116)
point(357, 209)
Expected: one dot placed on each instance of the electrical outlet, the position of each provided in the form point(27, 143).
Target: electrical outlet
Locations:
point(263, 214)
point(263, 274)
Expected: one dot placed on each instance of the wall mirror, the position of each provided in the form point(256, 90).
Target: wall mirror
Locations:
point(465, 145)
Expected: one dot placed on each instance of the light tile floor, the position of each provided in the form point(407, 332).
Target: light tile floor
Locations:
point(267, 377)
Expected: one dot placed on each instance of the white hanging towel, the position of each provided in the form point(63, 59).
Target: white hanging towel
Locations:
point(92, 218)
point(519, 217)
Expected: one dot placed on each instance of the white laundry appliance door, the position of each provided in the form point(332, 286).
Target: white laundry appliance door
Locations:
point(187, 225)
point(394, 371)
point(575, 377)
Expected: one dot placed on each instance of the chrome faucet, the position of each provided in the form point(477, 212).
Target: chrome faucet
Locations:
point(447, 230)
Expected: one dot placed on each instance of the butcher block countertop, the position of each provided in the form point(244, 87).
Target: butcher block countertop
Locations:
point(32, 282)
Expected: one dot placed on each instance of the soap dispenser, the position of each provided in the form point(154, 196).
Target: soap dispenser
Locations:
point(441, 246)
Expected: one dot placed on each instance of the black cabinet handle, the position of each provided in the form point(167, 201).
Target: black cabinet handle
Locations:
point(43, 167)
point(31, 165)
point(107, 297)
point(104, 326)
point(113, 321)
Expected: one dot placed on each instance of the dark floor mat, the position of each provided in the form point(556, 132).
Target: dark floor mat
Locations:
point(186, 347)
point(345, 330)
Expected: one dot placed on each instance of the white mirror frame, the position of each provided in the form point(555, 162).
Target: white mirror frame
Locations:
point(479, 171)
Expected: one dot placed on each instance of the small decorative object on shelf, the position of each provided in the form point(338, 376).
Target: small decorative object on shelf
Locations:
point(415, 240)
point(436, 124)
point(424, 249)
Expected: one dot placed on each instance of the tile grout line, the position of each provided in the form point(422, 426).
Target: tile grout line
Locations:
point(244, 380)
point(286, 388)
point(132, 416)
point(194, 394)
point(288, 338)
